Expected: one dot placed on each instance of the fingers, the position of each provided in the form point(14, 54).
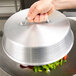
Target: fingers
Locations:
point(44, 9)
point(37, 8)
point(31, 16)
point(37, 18)
point(33, 7)
point(31, 11)
point(30, 20)
point(41, 18)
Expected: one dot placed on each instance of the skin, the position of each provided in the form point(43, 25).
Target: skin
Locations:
point(65, 4)
point(41, 9)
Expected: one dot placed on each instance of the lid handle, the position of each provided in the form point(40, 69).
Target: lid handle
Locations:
point(26, 21)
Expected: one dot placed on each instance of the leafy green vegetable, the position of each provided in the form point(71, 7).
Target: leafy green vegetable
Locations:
point(50, 66)
point(65, 61)
point(47, 68)
point(61, 62)
point(35, 69)
point(39, 69)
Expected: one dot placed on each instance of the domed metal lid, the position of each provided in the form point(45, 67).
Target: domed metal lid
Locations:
point(36, 34)
point(37, 43)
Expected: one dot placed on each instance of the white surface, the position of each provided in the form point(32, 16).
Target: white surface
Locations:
point(42, 35)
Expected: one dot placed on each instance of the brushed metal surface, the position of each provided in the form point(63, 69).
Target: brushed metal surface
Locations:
point(68, 69)
point(36, 35)
point(37, 44)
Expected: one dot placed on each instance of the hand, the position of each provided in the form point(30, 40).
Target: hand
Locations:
point(40, 10)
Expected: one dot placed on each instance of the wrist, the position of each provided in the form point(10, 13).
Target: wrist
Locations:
point(64, 4)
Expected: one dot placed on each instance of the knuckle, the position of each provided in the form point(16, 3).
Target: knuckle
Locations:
point(39, 9)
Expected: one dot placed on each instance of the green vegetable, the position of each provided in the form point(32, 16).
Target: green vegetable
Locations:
point(57, 63)
point(45, 67)
point(54, 67)
point(47, 71)
point(39, 69)
point(35, 69)
point(65, 61)
point(49, 67)
point(61, 62)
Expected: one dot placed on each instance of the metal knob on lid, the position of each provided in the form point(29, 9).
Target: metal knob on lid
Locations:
point(37, 43)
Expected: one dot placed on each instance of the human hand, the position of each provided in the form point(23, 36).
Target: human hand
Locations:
point(40, 10)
